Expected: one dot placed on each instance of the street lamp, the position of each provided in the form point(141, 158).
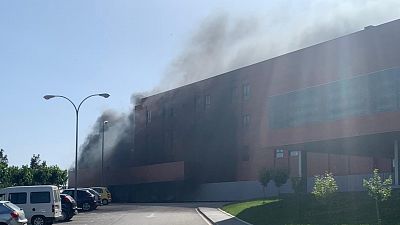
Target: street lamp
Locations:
point(47, 97)
point(102, 155)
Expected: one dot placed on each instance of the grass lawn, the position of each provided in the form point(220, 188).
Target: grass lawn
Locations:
point(345, 208)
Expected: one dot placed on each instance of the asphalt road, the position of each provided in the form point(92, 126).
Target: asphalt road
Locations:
point(143, 214)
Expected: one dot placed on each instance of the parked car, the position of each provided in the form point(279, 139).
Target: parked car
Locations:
point(105, 194)
point(85, 200)
point(41, 204)
point(69, 207)
point(11, 214)
point(95, 193)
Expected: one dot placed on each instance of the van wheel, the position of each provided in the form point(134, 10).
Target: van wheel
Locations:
point(38, 220)
point(86, 206)
point(104, 202)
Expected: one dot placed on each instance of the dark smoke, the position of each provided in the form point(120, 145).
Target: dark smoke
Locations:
point(118, 133)
point(223, 43)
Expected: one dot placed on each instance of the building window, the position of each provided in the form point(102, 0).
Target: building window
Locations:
point(246, 91)
point(279, 153)
point(207, 100)
point(294, 153)
point(148, 116)
point(246, 120)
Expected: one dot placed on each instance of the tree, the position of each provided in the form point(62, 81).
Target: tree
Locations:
point(35, 161)
point(4, 174)
point(57, 176)
point(325, 188)
point(379, 190)
point(264, 178)
point(280, 177)
point(3, 158)
point(20, 176)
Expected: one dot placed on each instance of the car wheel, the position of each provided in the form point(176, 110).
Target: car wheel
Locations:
point(104, 201)
point(38, 220)
point(86, 206)
point(65, 216)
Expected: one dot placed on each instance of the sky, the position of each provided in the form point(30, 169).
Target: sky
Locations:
point(76, 48)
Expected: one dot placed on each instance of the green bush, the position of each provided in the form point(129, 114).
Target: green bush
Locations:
point(325, 186)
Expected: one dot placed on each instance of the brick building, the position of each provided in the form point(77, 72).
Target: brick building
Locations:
point(334, 106)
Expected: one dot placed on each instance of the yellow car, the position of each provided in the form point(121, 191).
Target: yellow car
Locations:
point(105, 194)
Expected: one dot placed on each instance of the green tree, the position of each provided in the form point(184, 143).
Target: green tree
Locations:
point(325, 188)
point(379, 190)
point(57, 176)
point(280, 178)
point(264, 178)
point(4, 173)
point(20, 176)
point(35, 161)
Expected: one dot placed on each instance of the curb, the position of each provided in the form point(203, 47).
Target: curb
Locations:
point(234, 217)
point(208, 220)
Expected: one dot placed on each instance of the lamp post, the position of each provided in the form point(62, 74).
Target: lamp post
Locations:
point(102, 154)
point(47, 97)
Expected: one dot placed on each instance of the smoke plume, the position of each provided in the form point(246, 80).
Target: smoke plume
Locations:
point(224, 42)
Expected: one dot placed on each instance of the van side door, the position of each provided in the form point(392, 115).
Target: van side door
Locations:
point(40, 202)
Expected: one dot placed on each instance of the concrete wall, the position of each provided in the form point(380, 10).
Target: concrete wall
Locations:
point(244, 190)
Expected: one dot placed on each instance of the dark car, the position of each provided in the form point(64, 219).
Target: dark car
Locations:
point(69, 207)
point(85, 200)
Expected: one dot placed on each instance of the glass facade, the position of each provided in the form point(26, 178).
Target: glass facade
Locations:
point(361, 95)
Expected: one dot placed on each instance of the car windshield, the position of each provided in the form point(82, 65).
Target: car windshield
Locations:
point(264, 111)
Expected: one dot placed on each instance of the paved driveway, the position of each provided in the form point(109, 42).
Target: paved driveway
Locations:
point(143, 214)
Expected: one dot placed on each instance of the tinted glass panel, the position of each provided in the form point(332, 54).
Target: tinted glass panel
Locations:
point(18, 198)
point(4, 209)
point(361, 95)
point(40, 197)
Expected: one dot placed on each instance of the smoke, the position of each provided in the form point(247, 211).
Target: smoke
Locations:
point(224, 42)
point(118, 134)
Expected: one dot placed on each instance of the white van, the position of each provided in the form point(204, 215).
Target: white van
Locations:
point(42, 204)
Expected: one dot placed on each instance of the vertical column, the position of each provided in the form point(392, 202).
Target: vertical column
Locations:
point(396, 162)
point(303, 168)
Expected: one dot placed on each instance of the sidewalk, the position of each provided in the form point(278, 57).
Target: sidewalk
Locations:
point(219, 217)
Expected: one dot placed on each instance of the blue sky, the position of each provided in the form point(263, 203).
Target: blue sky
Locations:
point(76, 48)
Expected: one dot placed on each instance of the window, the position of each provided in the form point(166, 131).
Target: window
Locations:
point(148, 116)
point(246, 91)
point(279, 153)
point(246, 120)
point(4, 209)
point(40, 197)
point(294, 153)
point(18, 198)
point(2, 197)
point(207, 100)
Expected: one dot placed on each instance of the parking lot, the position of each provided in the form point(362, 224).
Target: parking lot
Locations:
point(142, 214)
